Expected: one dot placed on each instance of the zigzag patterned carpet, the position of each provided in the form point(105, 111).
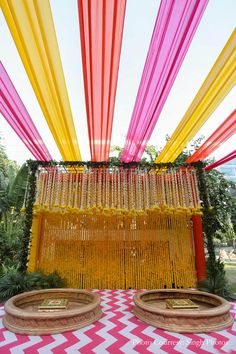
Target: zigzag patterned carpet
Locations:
point(118, 331)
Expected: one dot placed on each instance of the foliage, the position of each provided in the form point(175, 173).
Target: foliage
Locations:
point(216, 282)
point(150, 154)
point(10, 240)
point(6, 269)
point(194, 145)
point(117, 150)
point(12, 186)
point(17, 188)
point(11, 284)
point(152, 151)
point(13, 182)
point(230, 271)
point(232, 191)
point(15, 282)
point(113, 162)
point(28, 217)
point(222, 203)
point(3, 159)
point(216, 202)
point(12, 190)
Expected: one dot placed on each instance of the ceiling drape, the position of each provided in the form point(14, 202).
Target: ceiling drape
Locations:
point(32, 29)
point(229, 157)
point(216, 86)
point(15, 113)
point(101, 28)
point(174, 29)
point(220, 135)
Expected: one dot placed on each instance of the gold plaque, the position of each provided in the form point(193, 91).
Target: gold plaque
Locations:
point(181, 304)
point(53, 305)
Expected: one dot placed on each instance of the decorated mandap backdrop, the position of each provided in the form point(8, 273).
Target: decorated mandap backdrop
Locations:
point(104, 224)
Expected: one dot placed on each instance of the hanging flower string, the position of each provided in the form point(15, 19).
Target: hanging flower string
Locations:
point(114, 189)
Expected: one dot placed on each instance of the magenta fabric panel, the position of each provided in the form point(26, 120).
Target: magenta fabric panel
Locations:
point(175, 26)
point(229, 157)
point(15, 113)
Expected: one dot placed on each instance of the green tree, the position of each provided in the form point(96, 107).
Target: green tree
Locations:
point(13, 182)
point(222, 202)
point(3, 158)
point(12, 190)
point(233, 204)
point(150, 153)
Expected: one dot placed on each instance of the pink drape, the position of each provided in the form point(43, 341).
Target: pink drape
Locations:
point(15, 113)
point(176, 23)
point(220, 135)
point(229, 157)
point(101, 28)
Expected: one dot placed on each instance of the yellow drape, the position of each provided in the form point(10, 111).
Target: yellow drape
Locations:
point(32, 29)
point(216, 86)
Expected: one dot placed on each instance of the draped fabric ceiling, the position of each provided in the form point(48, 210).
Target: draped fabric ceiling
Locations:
point(223, 133)
point(32, 29)
point(229, 157)
point(216, 86)
point(101, 28)
point(14, 111)
point(174, 29)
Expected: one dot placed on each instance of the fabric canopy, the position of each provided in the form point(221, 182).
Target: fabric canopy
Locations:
point(174, 29)
point(32, 29)
point(15, 113)
point(216, 86)
point(223, 133)
point(229, 157)
point(101, 29)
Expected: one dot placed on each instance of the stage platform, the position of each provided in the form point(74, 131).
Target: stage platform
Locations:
point(119, 331)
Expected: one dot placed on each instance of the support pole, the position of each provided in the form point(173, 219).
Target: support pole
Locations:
point(200, 260)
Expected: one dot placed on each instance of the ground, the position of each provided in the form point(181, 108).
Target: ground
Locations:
point(230, 268)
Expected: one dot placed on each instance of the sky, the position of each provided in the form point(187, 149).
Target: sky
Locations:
point(216, 26)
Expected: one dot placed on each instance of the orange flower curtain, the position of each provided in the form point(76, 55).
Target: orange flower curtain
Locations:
point(223, 133)
point(101, 28)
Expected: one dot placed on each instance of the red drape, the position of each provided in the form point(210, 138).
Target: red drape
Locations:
point(229, 157)
point(200, 259)
point(101, 28)
point(221, 134)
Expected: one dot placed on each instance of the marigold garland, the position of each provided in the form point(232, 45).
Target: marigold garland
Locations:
point(112, 226)
point(114, 189)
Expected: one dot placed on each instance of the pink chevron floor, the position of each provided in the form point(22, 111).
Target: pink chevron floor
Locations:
point(119, 331)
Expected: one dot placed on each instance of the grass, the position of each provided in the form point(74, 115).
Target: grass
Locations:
point(230, 269)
